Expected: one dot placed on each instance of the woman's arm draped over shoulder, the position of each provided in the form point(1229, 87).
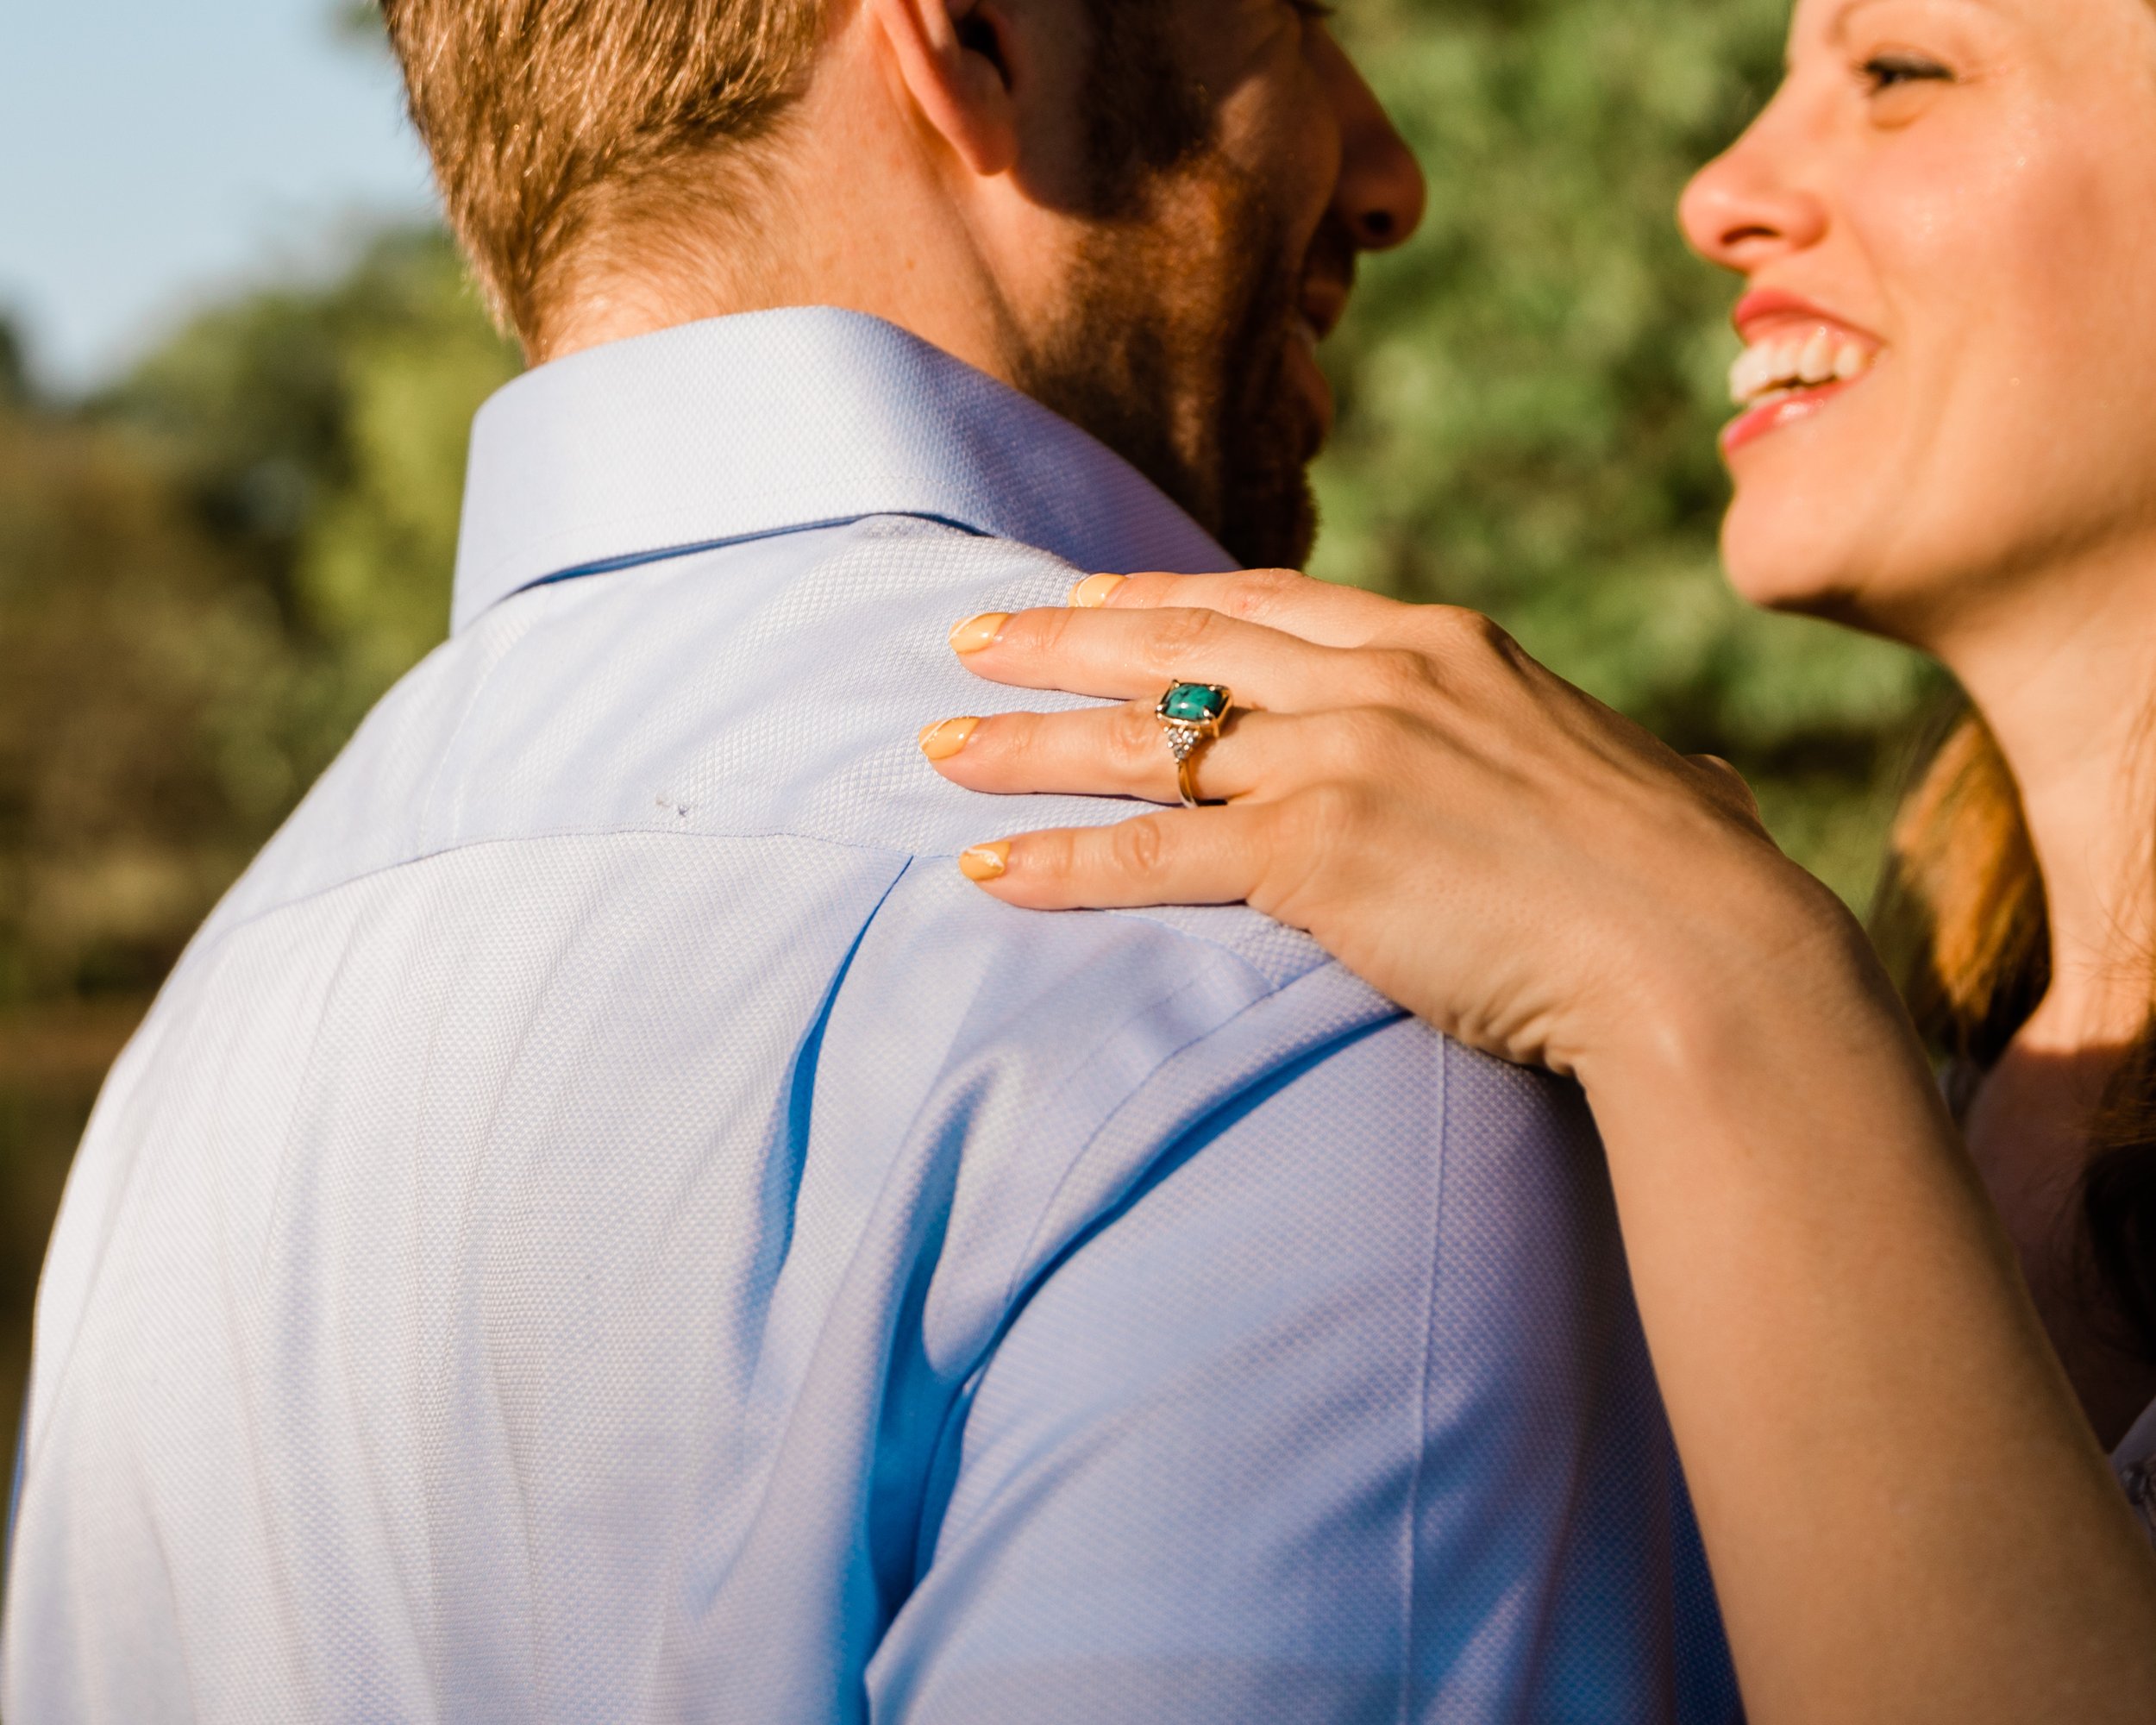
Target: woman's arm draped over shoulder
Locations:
point(1907, 1515)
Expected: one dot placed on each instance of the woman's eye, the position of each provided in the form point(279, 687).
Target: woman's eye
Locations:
point(1888, 71)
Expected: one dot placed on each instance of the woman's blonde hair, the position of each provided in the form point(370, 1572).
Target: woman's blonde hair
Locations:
point(1963, 918)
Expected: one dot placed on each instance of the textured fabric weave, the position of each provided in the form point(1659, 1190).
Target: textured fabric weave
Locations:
point(605, 1224)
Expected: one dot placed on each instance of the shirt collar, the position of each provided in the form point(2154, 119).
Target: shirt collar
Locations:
point(769, 421)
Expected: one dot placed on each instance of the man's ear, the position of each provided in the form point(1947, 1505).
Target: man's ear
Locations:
point(956, 59)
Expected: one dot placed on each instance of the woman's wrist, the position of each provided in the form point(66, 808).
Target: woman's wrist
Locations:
point(1762, 960)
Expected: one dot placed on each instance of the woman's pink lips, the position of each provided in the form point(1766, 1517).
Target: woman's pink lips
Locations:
point(1765, 312)
point(1753, 425)
point(1767, 308)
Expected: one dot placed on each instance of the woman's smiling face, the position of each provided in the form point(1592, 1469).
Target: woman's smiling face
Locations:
point(1946, 220)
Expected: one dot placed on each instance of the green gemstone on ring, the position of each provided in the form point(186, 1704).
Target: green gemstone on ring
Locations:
point(1193, 704)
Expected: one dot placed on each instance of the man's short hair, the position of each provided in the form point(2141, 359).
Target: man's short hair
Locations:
point(547, 119)
point(557, 124)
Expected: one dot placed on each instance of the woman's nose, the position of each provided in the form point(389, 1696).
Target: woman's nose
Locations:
point(1380, 192)
point(1741, 210)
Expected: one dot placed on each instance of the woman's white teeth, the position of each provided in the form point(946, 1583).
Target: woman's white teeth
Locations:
point(1791, 362)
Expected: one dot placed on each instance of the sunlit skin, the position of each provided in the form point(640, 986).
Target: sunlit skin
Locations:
point(1945, 225)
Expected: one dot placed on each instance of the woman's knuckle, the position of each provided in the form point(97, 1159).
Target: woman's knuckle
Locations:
point(1181, 637)
point(1399, 675)
point(1307, 824)
point(1728, 785)
point(1050, 856)
point(1134, 739)
point(1348, 745)
point(1308, 831)
point(1338, 805)
point(1459, 629)
point(1015, 737)
point(1138, 846)
point(1351, 734)
point(1255, 595)
point(1045, 629)
point(1294, 819)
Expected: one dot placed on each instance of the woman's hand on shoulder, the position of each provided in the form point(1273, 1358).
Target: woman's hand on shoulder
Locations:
point(1493, 848)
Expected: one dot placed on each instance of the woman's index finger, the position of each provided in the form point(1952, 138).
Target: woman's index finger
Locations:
point(1128, 654)
point(1322, 613)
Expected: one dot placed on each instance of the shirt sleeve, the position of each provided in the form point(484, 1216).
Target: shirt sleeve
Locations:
point(1343, 1415)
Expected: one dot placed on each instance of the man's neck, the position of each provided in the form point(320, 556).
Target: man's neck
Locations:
point(843, 206)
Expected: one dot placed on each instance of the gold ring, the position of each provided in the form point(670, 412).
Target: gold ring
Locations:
point(1187, 780)
point(1191, 715)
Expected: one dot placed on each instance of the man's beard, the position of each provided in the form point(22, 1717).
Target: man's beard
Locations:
point(1173, 351)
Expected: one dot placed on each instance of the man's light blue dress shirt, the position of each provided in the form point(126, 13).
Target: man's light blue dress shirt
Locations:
point(605, 1223)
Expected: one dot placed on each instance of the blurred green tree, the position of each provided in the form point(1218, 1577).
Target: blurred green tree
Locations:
point(319, 435)
point(207, 574)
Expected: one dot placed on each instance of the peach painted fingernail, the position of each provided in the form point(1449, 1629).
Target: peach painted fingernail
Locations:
point(945, 738)
point(985, 862)
point(1093, 593)
point(976, 632)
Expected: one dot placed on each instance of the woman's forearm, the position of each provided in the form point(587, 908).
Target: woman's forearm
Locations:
point(1907, 1516)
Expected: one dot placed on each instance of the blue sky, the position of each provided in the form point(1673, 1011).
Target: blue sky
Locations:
point(154, 154)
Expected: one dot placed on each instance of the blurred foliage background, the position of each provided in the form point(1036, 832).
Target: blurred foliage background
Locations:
point(211, 568)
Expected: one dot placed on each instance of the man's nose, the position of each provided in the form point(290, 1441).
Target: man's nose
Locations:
point(1380, 192)
point(1743, 209)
